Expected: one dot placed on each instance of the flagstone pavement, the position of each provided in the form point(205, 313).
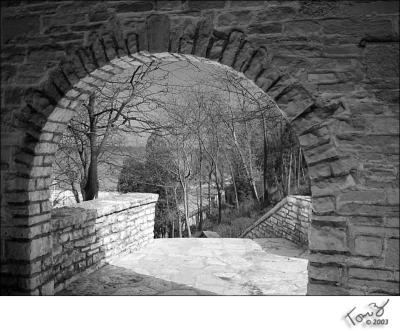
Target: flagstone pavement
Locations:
point(202, 266)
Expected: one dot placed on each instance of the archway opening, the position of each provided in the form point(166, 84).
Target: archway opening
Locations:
point(218, 151)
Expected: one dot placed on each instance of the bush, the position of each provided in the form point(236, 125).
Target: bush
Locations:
point(233, 221)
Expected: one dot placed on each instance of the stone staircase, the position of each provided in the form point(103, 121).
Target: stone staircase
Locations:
point(289, 219)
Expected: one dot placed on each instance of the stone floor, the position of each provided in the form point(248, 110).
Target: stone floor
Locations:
point(209, 266)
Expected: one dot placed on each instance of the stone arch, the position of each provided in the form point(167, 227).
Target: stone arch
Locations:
point(52, 105)
point(35, 118)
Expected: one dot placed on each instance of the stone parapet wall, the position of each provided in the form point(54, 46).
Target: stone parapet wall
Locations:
point(289, 219)
point(90, 234)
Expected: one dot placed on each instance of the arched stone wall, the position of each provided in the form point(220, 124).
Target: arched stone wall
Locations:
point(331, 68)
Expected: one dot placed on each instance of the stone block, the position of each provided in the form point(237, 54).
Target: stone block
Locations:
point(48, 288)
point(341, 51)
point(99, 13)
point(76, 256)
point(370, 197)
point(96, 257)
point(29, 250)
point(204, 5)
point(391, 221)
point(273, 13)
point(323, 78)
point(81, 265)
point(45, 206)
point(371, 287)
point(84, 242)
point(343, 166)
point(33, 282)
point(13, 27)
point(136, 6)
point(76, 234)
point(27, 232)
point(319, 171)
point(373, 274)
point(93, 251)
point(302, 27)
point(59, 20)
point(393, 196)
point(323, 205)
point(392, 253)
point(366, 209)
point(169, 5)
point(321, 153)
point(325, 289)
point(24, 269)
point(327, 239)
point(232, 18)
point(265, 28)
point(381, 61)
point(370, 8)
point(39, 195)
point(57, 248)
point(379, 28)
point(368, 246)
point(67, 261)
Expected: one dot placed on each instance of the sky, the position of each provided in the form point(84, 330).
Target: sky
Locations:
point(182, 74)
point(179, 73)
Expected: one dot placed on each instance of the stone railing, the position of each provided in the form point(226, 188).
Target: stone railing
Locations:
point(93, 232)
point(290, 219)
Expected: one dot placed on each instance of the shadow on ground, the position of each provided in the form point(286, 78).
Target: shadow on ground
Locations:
point(282, 247)
point(114, 280)
point(202, 266)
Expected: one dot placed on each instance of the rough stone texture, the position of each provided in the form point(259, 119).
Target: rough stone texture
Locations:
point(202, 266)
point(332, 67)
point(91, 233)
point(289, 219)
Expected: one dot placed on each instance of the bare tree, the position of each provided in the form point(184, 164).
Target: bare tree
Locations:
point(95, 135)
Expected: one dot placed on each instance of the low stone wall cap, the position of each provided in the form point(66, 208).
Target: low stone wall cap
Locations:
point(115, 202)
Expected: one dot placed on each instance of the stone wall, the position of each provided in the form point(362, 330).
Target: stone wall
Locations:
point(290, 219)
point(86, 236)
point(331, 66)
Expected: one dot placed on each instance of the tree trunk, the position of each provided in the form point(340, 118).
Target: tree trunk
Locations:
point(178, 216)
point(219, 206)
point(173, 228)
point(217, 184)
point(250, 171)
point(298, 171)
point(247, 170)
point(91, 187)
point(200, 227)
point(186, 207)
point(166, 225)
point(283, 181)
point(290, 171)
point(294, 171)
point(209, 192)
point(75, 193)
point(265, 171)
point(254, 190)
point(267, 188)
point(172, 223)
point(279, 187)
point(233, 182)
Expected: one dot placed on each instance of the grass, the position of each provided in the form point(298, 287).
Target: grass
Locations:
point(234, 222)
